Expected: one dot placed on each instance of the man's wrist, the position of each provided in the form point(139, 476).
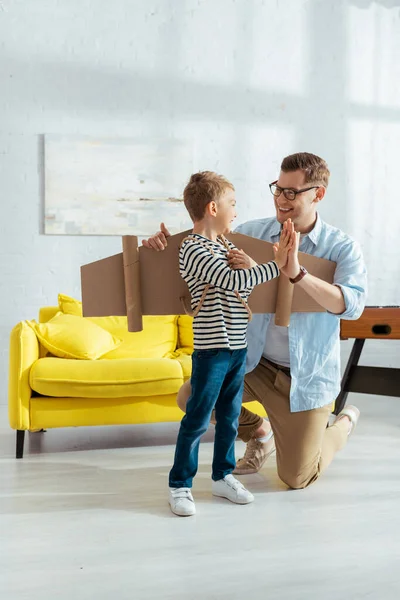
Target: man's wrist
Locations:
point(292, 273)
point(302, 272)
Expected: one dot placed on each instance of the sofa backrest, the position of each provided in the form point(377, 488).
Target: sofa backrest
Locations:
point(185, 332)
point(161, 335)
point(47, 312)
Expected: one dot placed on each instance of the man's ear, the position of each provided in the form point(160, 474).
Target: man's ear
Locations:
point(320, 193)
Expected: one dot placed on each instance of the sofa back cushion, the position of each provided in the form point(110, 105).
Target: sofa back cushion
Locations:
point(69, 306)
point(48, 312)
point(185, 332)
point(157, 340)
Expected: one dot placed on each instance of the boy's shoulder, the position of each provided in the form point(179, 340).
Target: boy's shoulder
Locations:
point(188, 240)
point(193, 239)
point(203, 242)
point(197, 244)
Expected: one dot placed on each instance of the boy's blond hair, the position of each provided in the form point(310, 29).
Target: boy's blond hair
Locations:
point(203, 188)
point(315, 168)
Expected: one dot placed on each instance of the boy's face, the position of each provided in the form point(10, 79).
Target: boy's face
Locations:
point(226, 210)
point(301, 210)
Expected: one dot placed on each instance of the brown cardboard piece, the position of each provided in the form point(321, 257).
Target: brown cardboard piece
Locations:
point(140, 281)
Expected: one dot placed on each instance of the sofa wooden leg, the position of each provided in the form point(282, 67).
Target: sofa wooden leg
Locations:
point(20, 443)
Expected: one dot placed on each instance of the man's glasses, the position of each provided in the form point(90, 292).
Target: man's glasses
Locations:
point(289, 193)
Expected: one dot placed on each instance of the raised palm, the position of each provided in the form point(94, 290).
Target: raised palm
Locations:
point(292, 266)
point(287, 249)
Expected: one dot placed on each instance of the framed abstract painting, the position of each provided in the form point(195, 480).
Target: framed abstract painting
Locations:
point(115, 186)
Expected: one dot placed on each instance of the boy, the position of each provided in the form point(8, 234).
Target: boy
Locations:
point(219, 302)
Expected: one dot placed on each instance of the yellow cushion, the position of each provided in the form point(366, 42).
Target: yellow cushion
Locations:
point(185, 332)
point(157, 340)
point(68, 336)
point(106, 378)
point(69, 306)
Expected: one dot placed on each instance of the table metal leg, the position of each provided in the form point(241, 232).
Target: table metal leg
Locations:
point(351, 365)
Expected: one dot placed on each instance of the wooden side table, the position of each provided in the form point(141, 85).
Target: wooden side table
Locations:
point(376, 322)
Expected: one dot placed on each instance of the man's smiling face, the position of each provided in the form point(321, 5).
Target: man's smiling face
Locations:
point(302, 210)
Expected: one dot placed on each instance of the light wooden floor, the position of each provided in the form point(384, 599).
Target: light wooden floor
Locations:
point(84, 516)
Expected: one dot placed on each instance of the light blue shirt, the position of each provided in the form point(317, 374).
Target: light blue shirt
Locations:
point(314, 342)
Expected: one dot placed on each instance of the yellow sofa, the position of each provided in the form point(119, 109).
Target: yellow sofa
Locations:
point(135, 383)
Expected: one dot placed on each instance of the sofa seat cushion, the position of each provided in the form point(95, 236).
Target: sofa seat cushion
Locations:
point(117, 378)
point(185, 359)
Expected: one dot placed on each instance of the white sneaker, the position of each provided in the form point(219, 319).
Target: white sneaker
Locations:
point(181, 502)
point(232, 489)
point(352, 413)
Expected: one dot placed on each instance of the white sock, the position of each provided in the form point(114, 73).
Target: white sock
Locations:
point(265, 438)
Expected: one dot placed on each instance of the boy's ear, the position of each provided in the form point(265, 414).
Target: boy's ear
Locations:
point(211, 208)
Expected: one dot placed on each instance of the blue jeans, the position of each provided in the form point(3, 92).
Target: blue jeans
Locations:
point(217, 382)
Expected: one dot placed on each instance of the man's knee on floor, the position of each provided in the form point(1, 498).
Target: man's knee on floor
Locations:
point(298, 480)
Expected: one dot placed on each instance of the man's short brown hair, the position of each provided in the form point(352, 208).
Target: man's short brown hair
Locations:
point(203, 188)
point(315, 168)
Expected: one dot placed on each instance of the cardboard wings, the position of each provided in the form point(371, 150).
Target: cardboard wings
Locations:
point(140, 281)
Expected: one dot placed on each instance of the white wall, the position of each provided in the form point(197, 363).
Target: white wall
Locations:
point(249, 81)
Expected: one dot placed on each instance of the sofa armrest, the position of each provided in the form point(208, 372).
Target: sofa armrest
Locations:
point(24, 351)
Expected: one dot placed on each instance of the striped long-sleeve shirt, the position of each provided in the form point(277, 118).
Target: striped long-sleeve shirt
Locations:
point(222, 319)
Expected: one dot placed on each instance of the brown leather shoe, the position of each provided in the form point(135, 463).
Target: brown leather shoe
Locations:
point(255, 456)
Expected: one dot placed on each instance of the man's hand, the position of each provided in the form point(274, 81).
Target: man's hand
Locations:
point(287, 243)
point(329, 296)
point(158, 241)
point(293, 266)
point(240, 260)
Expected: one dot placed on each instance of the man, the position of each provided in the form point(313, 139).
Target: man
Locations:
point(294, 372)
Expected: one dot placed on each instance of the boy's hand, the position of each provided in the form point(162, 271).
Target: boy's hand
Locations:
point(238, 259)
point(158, 241)
point(287, 241)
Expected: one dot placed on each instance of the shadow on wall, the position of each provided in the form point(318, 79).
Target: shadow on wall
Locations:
point(368, 3)
point(319, 114)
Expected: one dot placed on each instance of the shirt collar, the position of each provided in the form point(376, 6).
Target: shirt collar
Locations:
point(276, 228)
point(203, 237)
point(314, 234)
